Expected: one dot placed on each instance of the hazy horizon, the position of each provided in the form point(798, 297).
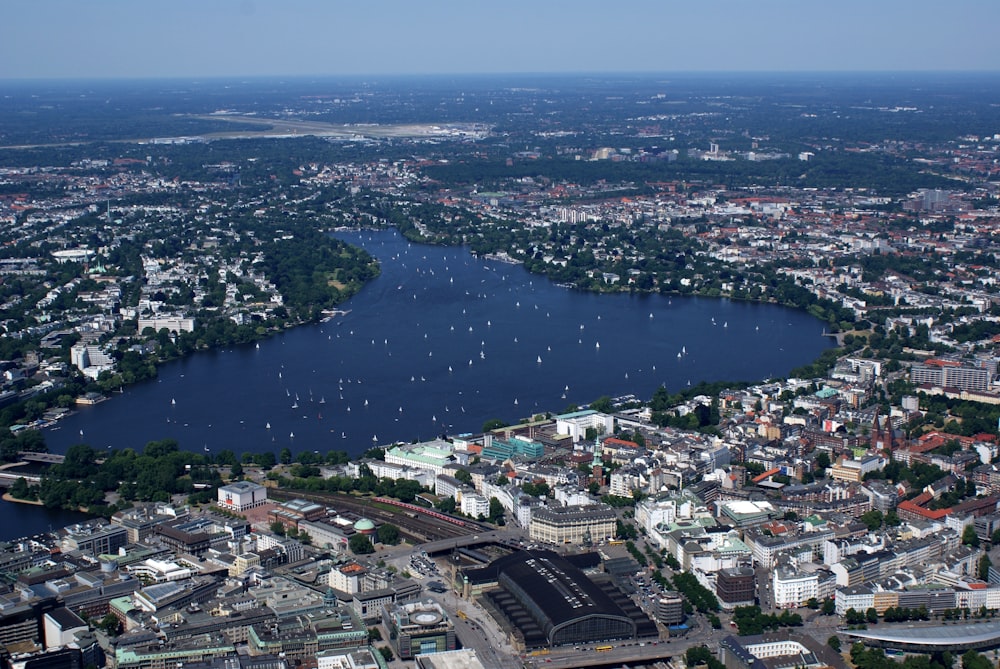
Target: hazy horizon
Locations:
point(184, 39)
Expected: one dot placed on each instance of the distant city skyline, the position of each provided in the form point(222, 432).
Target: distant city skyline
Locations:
point(240, 38)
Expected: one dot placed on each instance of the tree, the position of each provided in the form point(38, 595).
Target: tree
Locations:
point(278, 528)
point(463, 476)
point(374, 634)
point(969, 536)
point(386, 653)
point(20, 489)
point(822, 460)
point(494, 424)
point(388, 534)
point(973, 660)
point(983, 569)
point(834, 643)
point(285, 457)
point(265, 460)
point(360, 545)
point(872, 519)
point(871, 615)
point(829, 607)
point(602, 404)
point(854, 617)
point(110, 625)
point(496, 511)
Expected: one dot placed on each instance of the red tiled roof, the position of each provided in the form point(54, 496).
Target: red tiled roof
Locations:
point(766, 475)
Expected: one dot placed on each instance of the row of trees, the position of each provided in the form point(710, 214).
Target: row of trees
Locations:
point(751, 620)
point(700, 597)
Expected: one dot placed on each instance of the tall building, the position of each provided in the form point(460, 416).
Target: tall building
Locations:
point(94, 538)
point(242, 495)
point(946, 374)
point(670, 609)
point(418, 628)
point(573, 525)
point(736, 587)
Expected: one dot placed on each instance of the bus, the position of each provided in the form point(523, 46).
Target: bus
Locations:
point(603, 649)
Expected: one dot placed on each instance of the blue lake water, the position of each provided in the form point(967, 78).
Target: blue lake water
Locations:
point(25, 520)
point(442, 342)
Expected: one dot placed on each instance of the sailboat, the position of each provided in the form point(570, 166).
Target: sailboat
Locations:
point(267, 426)
point(539, 361)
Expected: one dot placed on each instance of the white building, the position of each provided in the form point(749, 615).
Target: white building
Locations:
point(242, 495)
point(573, 496)
point(171, 323)
point(475, 505)
point(433, 456)
point(159, 571)
point(386, 470)
point(793, 588)
point(575, 424)
point(61, 627)
point(90, 360)
point(573, 525)
point(347, 578)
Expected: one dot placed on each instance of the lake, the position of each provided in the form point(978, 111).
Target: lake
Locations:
point(26, 520)
point(440, 343)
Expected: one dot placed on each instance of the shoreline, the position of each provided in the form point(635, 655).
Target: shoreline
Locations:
point(7, 497)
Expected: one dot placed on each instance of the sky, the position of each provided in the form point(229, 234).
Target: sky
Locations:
point(240, 38)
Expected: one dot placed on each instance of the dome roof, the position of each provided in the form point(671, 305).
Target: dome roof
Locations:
point(364, 525)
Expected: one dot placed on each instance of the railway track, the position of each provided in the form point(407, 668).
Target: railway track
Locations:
point(414, 523)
